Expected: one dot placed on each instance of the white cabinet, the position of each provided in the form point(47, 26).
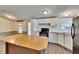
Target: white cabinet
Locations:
point(58, 25)
point(40, 23)
point(68, 42)
point(54, 22)
point(2, 48)
point(61, 39)
point(53, 37)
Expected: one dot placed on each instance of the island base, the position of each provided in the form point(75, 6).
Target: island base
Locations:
point(14, 49)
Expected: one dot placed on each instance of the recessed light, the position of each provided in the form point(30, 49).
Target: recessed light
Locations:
point(70, 13)
point(9, 16)
point(45, 12)
point(66, 13)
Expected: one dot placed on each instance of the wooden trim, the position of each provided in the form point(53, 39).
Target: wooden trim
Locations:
point(20, 20)
point(6, 48)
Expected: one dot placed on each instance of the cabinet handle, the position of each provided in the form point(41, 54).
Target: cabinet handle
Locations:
point(73, 31)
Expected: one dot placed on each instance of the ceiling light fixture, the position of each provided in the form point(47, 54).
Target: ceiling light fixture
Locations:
point(66, 13)
point(9, 16)
point(70, 13)
point(45, 12)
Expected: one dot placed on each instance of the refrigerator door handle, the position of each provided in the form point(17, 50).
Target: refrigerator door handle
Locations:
point(73, 31)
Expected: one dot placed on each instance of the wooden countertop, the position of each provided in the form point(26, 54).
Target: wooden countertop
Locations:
point(32, 42)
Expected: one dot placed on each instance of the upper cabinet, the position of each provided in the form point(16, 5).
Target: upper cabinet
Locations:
point(55, 24)
point(38, 23)
point(61, 25)
point(65, 24)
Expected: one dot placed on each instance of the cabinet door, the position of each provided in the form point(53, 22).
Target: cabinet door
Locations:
point(52, 37)
point(61, 39)
point(68, 42)
point(2, 48)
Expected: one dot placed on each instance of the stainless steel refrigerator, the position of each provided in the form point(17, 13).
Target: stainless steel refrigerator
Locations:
point(75, 35)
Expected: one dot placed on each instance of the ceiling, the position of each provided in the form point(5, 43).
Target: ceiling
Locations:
point(30, 11)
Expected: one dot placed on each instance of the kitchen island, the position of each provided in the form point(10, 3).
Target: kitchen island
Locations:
point(21, 43)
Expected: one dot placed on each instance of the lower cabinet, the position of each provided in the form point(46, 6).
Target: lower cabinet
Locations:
point(53, 37)
point(68, 42)
point(2, 48)
point(61, 39)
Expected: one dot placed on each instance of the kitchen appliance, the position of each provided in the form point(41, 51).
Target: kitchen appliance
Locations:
point(44, 32)
point(75, 35)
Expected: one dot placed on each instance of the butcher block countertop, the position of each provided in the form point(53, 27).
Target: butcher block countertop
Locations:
point(32, 42)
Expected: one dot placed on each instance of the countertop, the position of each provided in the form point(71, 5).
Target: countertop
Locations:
point(32, 42)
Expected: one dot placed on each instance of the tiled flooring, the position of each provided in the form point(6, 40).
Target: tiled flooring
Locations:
point(56, 49)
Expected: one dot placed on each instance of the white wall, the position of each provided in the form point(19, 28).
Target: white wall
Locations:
point(7, 25)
